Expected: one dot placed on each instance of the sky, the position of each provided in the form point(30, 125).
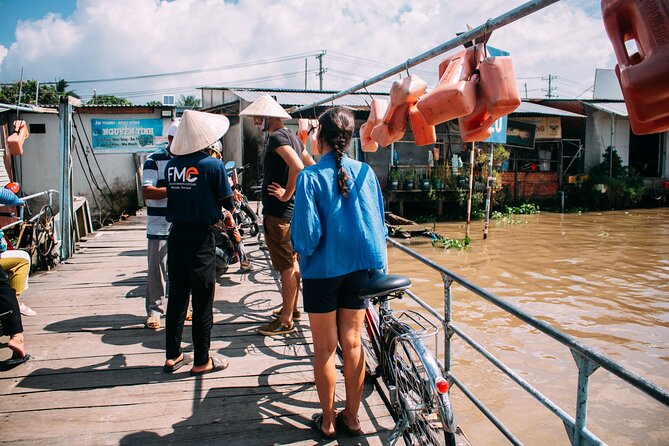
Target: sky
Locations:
point(179, 45)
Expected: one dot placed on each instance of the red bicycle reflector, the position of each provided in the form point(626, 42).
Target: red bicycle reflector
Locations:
point(13, 186)
point(442, 385)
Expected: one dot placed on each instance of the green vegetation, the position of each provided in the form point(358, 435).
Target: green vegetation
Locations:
point(188, 102)
point(154, 103)
point(48, 95)
point(450, 243)
point(108, 99)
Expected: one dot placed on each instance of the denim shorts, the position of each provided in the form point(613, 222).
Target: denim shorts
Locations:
point(326, 295)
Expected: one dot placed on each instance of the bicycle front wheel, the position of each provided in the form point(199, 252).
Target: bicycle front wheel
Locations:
point(428, 413)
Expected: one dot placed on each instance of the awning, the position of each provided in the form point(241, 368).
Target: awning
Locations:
point(617, 108)
point(531, 108)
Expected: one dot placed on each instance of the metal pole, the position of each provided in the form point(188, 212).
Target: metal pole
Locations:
point(471, 191)
point(448, 333)
point(65, 114)
point(305, 74)
point(488, 192)
point(480, 31)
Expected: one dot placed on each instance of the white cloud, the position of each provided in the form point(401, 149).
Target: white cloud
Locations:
point(114, 38)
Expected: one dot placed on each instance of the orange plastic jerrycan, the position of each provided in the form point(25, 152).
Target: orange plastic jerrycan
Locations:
point(313, 137)
point(497, 96)
point(16, 139)
point(423, 133)
point(393, 127)
point(455, 93)
point(404, 91)
point(303, 126)
point(376, 114)
point(644, 73)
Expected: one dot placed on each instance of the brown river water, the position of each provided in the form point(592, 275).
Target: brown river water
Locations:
point(600, 277)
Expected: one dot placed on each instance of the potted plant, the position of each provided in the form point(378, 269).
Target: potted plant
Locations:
point(394, 177)
point(437, 177)
point(425, 183)
point(409, 179)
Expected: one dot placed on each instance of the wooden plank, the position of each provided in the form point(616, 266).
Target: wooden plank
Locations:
point(96, 373)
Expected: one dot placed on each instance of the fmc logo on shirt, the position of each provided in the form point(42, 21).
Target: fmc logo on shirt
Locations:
point(175, 175)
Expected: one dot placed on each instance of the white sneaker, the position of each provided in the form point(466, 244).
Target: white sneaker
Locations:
point(26, 310)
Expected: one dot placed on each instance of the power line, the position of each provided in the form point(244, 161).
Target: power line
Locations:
point(193, 71)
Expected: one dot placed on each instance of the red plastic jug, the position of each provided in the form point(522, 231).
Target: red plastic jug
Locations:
point(303, 126)
point(643, 75)
point(393, 127)
point(455, 94)
point(376, 113)
point(423, 133)
point(313, 137)
point(497, 96)
point(16, 139)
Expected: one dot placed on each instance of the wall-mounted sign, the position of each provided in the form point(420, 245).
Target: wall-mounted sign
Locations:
point(520, 134)
point(548, 127)
point(498, 131)
point(127, 134)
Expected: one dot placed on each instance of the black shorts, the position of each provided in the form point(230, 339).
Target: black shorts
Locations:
point(326, 295)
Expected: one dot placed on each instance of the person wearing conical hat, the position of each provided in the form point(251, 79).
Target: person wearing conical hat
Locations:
point(197, 187)
point(285, 157)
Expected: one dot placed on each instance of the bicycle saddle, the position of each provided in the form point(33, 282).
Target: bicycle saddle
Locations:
point(383, 285)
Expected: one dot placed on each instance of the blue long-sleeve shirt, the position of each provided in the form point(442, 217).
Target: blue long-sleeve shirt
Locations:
point(336, 235)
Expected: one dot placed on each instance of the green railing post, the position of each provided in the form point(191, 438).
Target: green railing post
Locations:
point(586, 367)
point(448, 332)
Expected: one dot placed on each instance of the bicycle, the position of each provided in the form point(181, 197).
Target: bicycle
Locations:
point(395, 351)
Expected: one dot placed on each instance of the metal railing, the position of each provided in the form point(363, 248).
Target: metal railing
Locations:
point(21, 208)
point(587, 359)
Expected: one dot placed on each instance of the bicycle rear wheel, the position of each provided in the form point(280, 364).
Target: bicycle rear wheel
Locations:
point(428, 413)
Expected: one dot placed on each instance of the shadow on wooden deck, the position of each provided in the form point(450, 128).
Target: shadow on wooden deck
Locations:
point(96, 373)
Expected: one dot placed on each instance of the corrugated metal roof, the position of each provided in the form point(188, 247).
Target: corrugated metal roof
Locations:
point(299, 98)
point(527, 108)
point(617, 108)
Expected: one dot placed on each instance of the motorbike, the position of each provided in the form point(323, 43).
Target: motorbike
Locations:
point(245, 218)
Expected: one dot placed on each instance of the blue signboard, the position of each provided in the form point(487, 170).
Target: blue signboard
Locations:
point(127, 134)
point(498, 130)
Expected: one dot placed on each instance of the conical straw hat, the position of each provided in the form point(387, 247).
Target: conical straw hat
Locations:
point(265, 105)
point(197, 130)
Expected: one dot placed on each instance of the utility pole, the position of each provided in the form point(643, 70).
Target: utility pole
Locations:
point(525, 90)
point(305, 74)
point(321, 70)
point(549, 92)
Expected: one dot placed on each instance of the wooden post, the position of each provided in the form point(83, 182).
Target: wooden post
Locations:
point(471, 191)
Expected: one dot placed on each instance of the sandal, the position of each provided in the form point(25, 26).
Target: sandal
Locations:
point(185, 359)
point(341, 424)
point(216, 365)
point(317, 419)
point(152, 322)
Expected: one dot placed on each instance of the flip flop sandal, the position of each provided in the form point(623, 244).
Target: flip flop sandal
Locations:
point(217, 364)
point(13, 362)
point(152, 322)
point(185, 359)
point(317, 419)
point(341, 424)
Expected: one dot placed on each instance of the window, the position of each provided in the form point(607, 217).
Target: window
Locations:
point(168, 99)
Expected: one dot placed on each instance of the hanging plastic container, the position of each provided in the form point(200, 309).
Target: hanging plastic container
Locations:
point(17, 138)
point(393, 127)
point(366, 141)
point(643, 75)
point(423, 133)
point(376, 113)
point(497, 96)
point(455, 94)
point(313, 137)
point(303, 126)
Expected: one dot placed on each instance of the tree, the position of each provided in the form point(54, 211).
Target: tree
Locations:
point(9, 93)
point(61, 87)
point(188, 101)
point(154, 103)
point(108, 99)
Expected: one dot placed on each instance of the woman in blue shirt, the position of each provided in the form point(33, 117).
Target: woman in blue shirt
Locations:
point(339, 233)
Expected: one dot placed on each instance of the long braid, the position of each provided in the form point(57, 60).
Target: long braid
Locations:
point(336, 127)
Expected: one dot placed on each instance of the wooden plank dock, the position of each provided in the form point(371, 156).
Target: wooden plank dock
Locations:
point(96, 377)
